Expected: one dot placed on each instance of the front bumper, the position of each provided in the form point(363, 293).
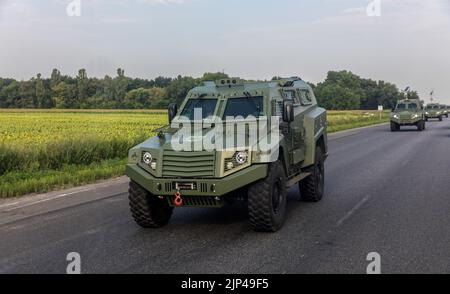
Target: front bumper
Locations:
point(201, 187)
point(406, 122)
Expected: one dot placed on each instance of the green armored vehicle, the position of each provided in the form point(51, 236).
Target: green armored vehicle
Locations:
point(433, 111)
point(408, 112)
point(164, 177)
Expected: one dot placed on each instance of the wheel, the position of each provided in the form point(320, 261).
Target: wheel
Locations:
point(312, 188)
point(421, 126)
point(267, 200)
point(426, 119)
point(148, 210)
point(394, 127)
point(440, 118)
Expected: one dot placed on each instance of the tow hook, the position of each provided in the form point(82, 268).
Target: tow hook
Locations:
point(178, 200)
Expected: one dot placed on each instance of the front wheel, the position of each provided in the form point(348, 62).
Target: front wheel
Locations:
point(394, 127)
point(267, 200)
point(421, 125)
point(440, 118)
point(148, 210)
point(312, 188)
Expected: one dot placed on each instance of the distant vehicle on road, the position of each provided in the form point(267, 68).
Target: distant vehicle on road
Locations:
point(433, 111)
point(408, 112)
point(163, 178)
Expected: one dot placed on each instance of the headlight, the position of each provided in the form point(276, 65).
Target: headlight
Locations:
point(396, 116)
point(427, 113)
point(415, 116)
point(147, 158)
point(153, 165)
point(238, 159)
point(241, 158)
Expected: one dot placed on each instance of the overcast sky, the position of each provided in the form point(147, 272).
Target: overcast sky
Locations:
point(408, 44)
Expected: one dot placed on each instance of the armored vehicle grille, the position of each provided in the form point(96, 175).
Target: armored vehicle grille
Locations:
point(188, 164)
point(405, 116)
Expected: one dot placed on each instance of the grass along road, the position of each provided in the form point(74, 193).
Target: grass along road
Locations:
point(45, 150)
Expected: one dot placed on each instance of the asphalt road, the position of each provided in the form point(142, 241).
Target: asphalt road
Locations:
point(385, 192)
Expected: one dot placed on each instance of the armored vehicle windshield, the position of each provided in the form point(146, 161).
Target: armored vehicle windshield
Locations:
point(244, 107)
point(207, 107)
point(407, 106)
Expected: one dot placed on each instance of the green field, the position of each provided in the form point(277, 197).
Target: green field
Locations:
point(350, 119)
point(44, 150)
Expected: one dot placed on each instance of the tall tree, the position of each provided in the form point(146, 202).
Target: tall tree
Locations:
point(40, 92)
point(82, 87)
point(55, 78)
point(121, 85)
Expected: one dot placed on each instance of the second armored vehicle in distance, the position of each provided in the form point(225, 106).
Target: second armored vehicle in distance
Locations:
point(433, 111)
point(408, 112)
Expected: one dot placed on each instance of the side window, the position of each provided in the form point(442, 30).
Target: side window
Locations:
point(306, 97)
point(293, 95)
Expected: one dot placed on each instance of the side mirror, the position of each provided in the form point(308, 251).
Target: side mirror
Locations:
point(288, 110)
point(172, 111)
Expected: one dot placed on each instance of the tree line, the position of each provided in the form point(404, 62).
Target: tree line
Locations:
point(344, 90)
point(341, 90)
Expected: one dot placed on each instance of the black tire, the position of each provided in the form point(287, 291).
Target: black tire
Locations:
point(267, 200)
point(440, 118)
point(421, 126)
point(394, 127)
point(312, 188)
point(426, 119)
point(148, 210)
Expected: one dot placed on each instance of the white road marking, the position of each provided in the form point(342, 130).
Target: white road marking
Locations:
point(352, 211)
point(44, 197)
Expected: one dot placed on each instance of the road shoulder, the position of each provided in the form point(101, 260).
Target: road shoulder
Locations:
point(14, 209)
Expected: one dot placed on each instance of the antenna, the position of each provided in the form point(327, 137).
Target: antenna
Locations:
point(431, 96)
